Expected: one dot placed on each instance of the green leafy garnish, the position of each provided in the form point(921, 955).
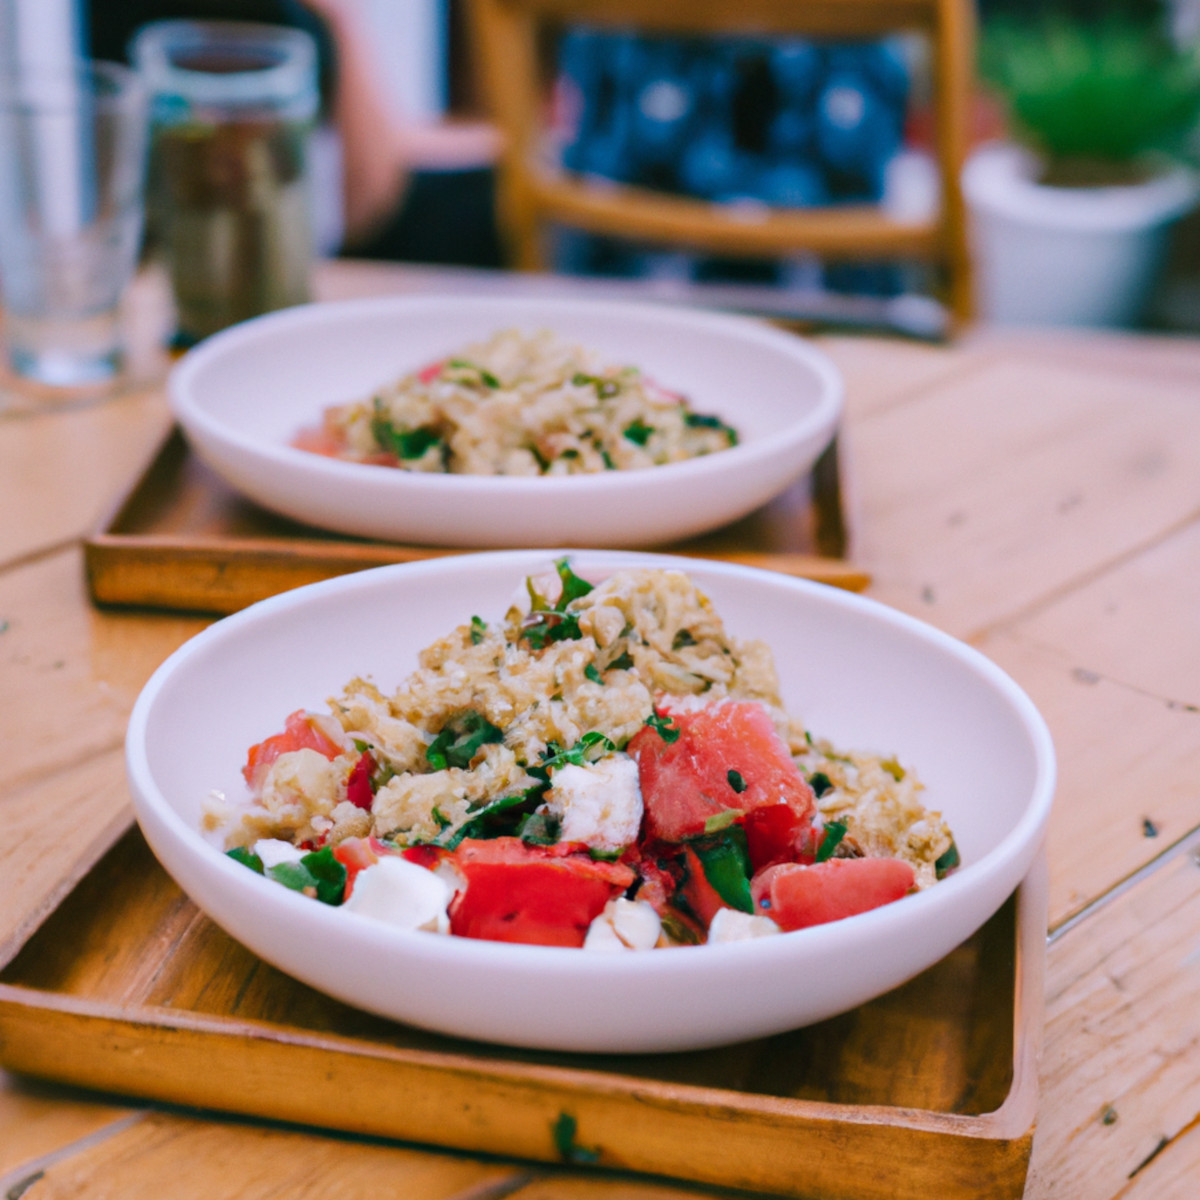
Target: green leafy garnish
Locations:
point(721, 820)
point(540, 829)
point(834, 832)
point(726, 864)
point(318, 874)
point(485, 377)
point(682, 638)
point(246, 857)
point(591, 673)
point(638, 432)
point(564, 1140)
point(605, 388)
point(588, 749)
point(478, 630)
point(556, 625)
point(948, 861)
point(498, 818)
point(460, 739)
point(820, 783)
point(736, 781)
point(664, 727)
point(609, 465)
point(703, 421)
point(893, 768)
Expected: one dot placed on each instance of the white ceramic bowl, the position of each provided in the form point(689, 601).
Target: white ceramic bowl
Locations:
point(863, 674)
point(242, 394)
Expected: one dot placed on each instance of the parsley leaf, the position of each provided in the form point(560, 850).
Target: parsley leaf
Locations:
point(478, 630)
point(638, 432)
point(820, 783)
point(318, 874)
point(460, 739)
point(834, 832)
point(947, 862)
point(591, 673)
point(664, 727)
point(246, 857)
point(736, 781)
point(703, 421)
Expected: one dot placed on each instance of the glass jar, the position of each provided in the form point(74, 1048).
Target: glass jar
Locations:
point(233, 106)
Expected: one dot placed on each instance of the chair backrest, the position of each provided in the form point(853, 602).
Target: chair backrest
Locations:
point(534, 192)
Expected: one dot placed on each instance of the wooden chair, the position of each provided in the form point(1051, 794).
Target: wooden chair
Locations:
point(534, 193)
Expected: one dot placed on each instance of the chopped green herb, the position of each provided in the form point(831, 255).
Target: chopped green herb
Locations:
point(726, 864)
point(573, 588)
point(820, 783)
point(440, 817)
point(721, 820)
point(588, 749)
point(540, 829)
point(591, 673)
point(834, 832)
point(609, 465)
point(664, 727)
point(499, 818)
point(947, 862)
point(638, 432)
point(703, 421)
point(485, 377)
point(478, 630)
point(736, 781)
point(623, 662)
point(460, 740)
point(569, 1150)
point(893, 768)
point(318, 874)
point(682, 638)
point(246, 857)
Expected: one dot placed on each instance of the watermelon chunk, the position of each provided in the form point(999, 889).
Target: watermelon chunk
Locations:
point(544, 895)
point(795, 896)
point(727, 756)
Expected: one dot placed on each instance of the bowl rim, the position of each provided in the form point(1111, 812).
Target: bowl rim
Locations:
point(1021, 842)
point(190, 411)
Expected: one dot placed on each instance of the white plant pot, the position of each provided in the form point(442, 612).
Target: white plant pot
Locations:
point(1066, 256)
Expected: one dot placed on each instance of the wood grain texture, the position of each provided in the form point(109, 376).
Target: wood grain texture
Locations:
point(982, 498)
point(1121, 1090)
point(143, 1162)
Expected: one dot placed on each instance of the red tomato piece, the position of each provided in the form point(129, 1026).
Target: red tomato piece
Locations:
point(358, 786)
point(299, 733)
point(544, 895)
point(795, 896)
point(319, 440)
point(355, 854)
point(430, 373)
point(775, 834)
point(727, 755)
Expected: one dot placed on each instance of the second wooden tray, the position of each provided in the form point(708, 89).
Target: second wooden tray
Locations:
point(930, 1090)
point(182, 539)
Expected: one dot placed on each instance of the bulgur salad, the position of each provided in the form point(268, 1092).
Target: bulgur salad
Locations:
point(604, 766)
point(519, 404)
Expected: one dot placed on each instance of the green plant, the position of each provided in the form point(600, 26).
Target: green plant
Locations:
point(1094, 98)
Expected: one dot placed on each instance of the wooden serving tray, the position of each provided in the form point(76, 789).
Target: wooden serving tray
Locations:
point(183, 539)
point(928, 1091)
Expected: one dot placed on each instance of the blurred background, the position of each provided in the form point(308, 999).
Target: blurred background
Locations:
point(1081, 143)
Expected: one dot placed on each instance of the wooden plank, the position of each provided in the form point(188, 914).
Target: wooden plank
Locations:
point(850, 232)
point(59, 472)
point(38, 1119)
point(146, 1161)
point(996, 490)
point(1123, 704)
point(126, 987)
point(1121, 1064)
point(183, 539)
point(69, 676)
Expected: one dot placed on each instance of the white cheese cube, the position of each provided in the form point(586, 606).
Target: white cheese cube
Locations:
point(731, 925)
point(402, 894)
point(624, 925)
point(599, 804)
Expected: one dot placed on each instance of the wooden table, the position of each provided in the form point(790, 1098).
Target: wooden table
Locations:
point(1037, 495)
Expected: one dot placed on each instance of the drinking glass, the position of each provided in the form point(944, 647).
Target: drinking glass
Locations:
point(233, 106)
point(72, 169)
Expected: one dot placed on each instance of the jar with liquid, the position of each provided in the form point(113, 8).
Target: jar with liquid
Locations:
point(233, 106)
